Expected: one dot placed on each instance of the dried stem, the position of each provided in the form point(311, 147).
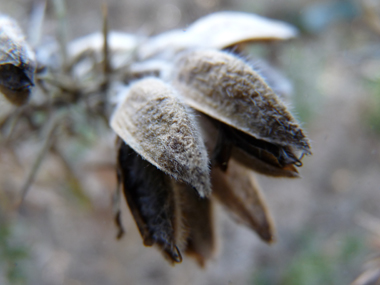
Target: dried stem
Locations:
point(106, 63)
point(47, 143)
point(60, 11)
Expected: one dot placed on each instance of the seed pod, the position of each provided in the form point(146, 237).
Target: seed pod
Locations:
point(238, 191)
point(198, 224)
point(254, 163)
point(218, 30)
point(261, 156)
point(154, 122)
point(17, 62)
point(151, 199)
point(223, 29)
point(258, 155)
point(229, 90)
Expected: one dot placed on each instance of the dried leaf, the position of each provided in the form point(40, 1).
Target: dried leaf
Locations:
point(151, 198)
point(198, 224)
point(17, 62)
point(160, 128)
point(238, 191)
point(218, 30)
point(229, 90)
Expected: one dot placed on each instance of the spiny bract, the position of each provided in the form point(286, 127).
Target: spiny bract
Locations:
point(192, 124)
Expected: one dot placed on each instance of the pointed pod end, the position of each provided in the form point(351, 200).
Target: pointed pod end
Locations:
point(267, 235)
point(172, 254)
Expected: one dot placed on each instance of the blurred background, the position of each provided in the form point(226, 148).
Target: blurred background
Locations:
point(326, 221)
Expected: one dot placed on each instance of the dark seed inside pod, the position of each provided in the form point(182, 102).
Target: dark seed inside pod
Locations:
point(14, 84)
point(261, 156)
point(273, 154)
point(151, 199)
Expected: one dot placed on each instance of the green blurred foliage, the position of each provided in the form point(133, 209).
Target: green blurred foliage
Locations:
point(372, 116)
point(12, 255)
point(317, 260)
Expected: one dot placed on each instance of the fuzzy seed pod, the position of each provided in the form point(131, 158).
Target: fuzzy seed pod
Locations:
point(17, 62)
point(238, 191)
point(151, 198)
point(154, 122)
point(229, 90)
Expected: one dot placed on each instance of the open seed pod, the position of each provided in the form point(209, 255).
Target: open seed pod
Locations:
point(218, 30)
point(152, 201)
point(17, 62)
point(238, 191)
point(258, 155)
point(159, 127)
point(197, 223)
point(227, 89)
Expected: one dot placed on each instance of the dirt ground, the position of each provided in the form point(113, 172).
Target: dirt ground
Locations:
point(64, 236)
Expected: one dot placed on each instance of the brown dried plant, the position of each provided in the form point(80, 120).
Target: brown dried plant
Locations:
point(193, 120)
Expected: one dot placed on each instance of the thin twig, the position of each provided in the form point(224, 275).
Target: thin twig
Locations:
point(71, 177)
point(12, 120)
point(106, 63)
point(60, 11)
point(50, 132)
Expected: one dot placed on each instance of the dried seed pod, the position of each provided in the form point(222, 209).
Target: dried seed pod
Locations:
point(258, 155)
point(238, 191)
point(198, 224)
point(254, 163)
point(224, 142)
point(151, 199)
point(224, 29)
point(247, 148)
point(154, 122)
point(218, 30)
point(275, 79)
point(17, 62)
point(229, 90)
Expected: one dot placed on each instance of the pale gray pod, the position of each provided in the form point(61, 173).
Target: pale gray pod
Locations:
point(225, 88)
point(218, 30)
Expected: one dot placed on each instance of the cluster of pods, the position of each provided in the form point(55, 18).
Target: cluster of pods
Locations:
point(195, 121)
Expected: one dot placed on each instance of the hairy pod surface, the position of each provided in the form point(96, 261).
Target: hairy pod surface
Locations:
point(238, 191)
point(226, 88)
point(17, 62)
point(154, 122)
point(151, 199)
